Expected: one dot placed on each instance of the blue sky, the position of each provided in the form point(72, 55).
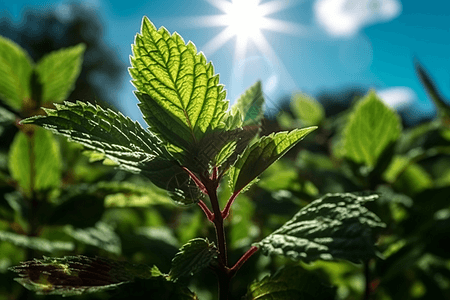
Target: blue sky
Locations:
point(307, 46)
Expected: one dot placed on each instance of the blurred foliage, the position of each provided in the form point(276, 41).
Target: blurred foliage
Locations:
point(43, 31)
point(83, 208)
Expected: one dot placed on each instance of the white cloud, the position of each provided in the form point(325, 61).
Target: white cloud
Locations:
point(347, 17)
point(398, 97)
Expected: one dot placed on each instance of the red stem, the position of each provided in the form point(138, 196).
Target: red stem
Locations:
point(206, 210)
point(226, 210)
point(197, 181)
point(242, 260)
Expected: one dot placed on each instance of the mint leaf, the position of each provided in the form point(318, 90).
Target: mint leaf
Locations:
point(336, 226)
point(76, 275)
point(259, 156)
point(248, 109)
point(35, 243)
point(371, 128)
point(104, 131)
point(101, 236)
point(307, 109)
point(128, 194)
point(35, 161)
point(294, 283)
point(181, 98)
point(122, 141)
point(58, 71)
point(195, 255)
point(15, 72)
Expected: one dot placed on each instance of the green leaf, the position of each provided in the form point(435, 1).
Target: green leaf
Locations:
point(128, 194)
point(76, 275)
point(195, 255)
point(181, 98)
point(372, 128)
point(104, 131)
point(242, 229)
point(441, 104)
point(307, 109)
point(58, 71)
point(407, 176)
point(336, 226)
point(122, 141)
point(35, 161)
point(36, 243)
point(248, 109)
point(259, 156)
point(293, 283)
point(19, 161)
point(15, 72)
point(101, 236)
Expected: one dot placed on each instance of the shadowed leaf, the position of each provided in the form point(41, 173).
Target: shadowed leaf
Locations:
point(259, 156)
point(336, 226)
point(293, 283)
point(36, 243)
point(193, 256)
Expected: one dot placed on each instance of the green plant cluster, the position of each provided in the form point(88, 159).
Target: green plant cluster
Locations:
point(152, 213)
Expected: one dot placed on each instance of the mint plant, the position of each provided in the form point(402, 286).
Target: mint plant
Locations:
point(194, 145)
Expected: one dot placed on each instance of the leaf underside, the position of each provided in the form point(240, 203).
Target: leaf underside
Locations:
point(121, 140)
point(195, 255)
point(336, 226)
point(77, 275)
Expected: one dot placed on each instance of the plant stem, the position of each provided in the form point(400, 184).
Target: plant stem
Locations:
point(226, 210)
point(367, 280)
point(242, 260)
point(218, 221)
point(222, 271)
point(206, 210)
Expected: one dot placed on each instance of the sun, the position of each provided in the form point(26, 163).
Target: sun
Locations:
point(245, 21)
point(245, 18)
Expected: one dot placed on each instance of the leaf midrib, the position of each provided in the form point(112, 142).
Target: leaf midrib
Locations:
point(174, 82)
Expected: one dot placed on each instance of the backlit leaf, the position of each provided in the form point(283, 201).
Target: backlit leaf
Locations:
point(35, 161)
point(371, 128)
point(58, 71)
point(248, 109)
point(181, 98)
point(192, 257)
point(336, 226)
point(259, 156)
point(127, 194)
point(15, 72)
point(307, 109)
